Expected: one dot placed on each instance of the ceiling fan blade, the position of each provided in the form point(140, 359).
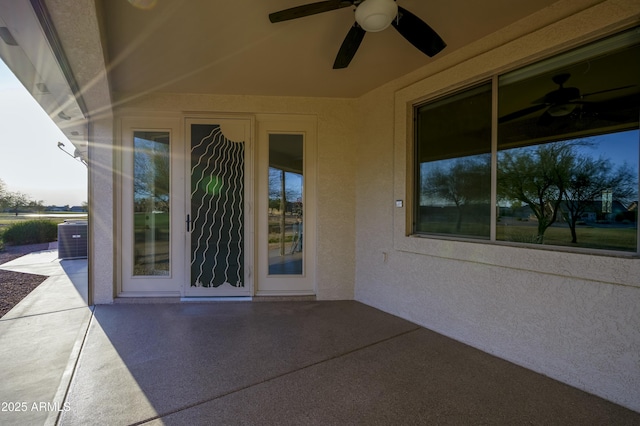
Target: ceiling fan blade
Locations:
point(623, 109)
point(308, 9)
point(418, 33)
point(349, 46)
point(521, 113)
point(607, 90)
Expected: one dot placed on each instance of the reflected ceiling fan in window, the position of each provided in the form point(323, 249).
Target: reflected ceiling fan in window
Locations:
point(370, 16)
point(561, 102)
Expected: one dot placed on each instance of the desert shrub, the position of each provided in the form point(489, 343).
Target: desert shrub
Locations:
point(30, 232)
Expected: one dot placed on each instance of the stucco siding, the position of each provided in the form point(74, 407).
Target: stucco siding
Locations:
point(573, 317)
point(102, 243)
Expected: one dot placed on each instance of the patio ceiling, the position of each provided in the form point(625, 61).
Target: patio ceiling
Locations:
point(203, 46)
point(211, 47)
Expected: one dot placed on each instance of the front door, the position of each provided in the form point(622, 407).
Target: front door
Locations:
point(218, 221)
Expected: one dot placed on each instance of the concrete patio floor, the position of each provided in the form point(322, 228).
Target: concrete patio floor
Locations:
point(255, 363)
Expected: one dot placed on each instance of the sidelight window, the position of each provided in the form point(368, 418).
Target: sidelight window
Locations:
point(151, 201)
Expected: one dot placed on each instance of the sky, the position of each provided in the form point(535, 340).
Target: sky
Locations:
point(30, 160)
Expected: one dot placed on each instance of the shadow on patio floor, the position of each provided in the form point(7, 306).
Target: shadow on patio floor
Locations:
point(338, 362)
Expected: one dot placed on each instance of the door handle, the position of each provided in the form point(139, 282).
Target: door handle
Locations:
point(188, 223)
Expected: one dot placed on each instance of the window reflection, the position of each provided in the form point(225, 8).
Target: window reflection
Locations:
point(566, 163)
point(455, 196)
point(568, 148)
point(581, 192)
point(151, 199)
point(286, 195)
point(454, 164)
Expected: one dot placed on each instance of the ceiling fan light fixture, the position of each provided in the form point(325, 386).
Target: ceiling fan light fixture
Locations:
point(376, 15)
point(561, 110)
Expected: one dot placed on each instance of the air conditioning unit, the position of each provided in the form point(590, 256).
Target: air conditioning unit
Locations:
point(72, 240)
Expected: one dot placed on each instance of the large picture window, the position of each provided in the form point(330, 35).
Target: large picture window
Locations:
point(565, 153)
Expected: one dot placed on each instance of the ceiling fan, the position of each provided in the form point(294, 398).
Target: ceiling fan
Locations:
point(560, 102)
point(370, 16)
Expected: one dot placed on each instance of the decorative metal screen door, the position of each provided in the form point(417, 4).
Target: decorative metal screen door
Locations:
point(216, 220)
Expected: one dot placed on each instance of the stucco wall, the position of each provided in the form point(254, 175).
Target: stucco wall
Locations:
point(574, 317)
point(102, 222)
point(80, 33)
point(335, 258)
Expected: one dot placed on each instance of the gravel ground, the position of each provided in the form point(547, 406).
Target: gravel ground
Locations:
point(15, 286)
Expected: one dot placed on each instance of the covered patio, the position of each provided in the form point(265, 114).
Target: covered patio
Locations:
point(178, 107)
point(287, 362)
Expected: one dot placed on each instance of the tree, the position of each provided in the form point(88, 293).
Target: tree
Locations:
point(17, 200)
point(5, 196)
point(12, 200)
point(589, 178)
point(151, 176)
point(284, 189)
point(35, 205)
point(460, 183)
point(537, 176)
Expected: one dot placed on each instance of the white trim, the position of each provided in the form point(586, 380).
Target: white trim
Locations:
point(148, 294)
point(216, 299)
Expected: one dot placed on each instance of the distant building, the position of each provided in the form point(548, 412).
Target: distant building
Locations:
point(593, 211)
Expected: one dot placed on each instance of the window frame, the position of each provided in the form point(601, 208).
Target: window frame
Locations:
point(407, 240)
point(128, 284)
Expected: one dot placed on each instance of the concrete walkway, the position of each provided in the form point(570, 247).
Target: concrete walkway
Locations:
point(40, 339)
point(253, 363)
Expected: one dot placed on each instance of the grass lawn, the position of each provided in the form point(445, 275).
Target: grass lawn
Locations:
point(603, 238)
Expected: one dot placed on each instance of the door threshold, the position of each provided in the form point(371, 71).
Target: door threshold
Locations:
point(217, 299)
